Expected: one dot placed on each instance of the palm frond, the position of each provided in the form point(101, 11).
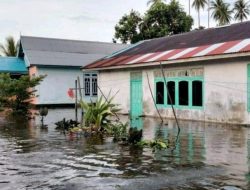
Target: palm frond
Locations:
point(10, 48)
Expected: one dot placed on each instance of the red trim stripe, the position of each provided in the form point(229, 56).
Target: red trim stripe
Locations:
point(130, 58)
point(195, 51)
point(99, 63)
point(170, 54)
point(224, 47)
point(118, 59)
point(149, 57)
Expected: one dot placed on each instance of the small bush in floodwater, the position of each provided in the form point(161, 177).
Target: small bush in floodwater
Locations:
point(66, 125)
point(17, 94)
point(97, 114)
point(157, 144)
point(134, 136)
point(118, 131)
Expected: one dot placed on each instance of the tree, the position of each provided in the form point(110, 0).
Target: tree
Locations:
point(16, 94)
point(221, 12)
point(199, 4)
point(160, 20)
point(128, 28)
point(154, 2)
point(10, 48)
point(241, 9)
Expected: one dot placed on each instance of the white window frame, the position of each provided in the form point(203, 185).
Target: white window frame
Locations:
point(90, 90)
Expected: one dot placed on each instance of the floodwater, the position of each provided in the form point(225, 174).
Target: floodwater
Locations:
point(207, 156)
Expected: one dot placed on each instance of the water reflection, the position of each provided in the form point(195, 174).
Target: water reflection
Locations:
point(206, 156)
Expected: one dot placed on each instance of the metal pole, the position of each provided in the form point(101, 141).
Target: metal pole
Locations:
point(189, 8)
point(170, 98)
point(76, 114)
point(80, 92)
point(208, 11)
point(154, 99)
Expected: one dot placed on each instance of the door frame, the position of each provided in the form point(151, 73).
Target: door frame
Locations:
point(136, 76)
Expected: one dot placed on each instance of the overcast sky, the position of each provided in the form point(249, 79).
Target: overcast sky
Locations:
point(72, 19)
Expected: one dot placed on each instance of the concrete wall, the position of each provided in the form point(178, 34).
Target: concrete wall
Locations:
point(54, 88)
point(114, 82)
point(225, 92)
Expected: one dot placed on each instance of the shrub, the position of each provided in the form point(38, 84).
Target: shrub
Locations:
point(97, 115)
point(118, 131)
point(16, 94)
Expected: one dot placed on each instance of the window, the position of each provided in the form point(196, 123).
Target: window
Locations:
point(171, 92)
point(183, 93)
point(197, 93)
point(94, 86)
point(90, 84)
point(160, 93)
point(87, 86)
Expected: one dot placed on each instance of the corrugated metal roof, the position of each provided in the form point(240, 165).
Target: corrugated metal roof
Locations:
point(60, 52)
point(12, 65)
point(61, 58)
point(215, 41)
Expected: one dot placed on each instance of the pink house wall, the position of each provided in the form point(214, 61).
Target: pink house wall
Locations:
point(33, 71)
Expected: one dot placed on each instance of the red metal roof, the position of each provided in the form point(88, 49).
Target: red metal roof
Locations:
point(217, 41)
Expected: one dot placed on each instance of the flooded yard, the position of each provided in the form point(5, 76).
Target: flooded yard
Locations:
point(207, 156)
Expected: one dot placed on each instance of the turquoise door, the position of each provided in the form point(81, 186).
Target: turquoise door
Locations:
point(136, 123)
point(136, 95)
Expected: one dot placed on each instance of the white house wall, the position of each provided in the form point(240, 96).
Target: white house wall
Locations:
point(116, 82)
point(53, 89)
point(225, 93)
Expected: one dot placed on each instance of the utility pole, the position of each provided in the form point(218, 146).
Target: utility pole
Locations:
point(76, 109)
point(208, 11)
point(189, 7)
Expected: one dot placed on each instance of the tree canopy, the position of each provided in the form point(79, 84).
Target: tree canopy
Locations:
point(160, 20)
point(241, 9)
point(199, 4)
point(153, 2)
point(221, 12)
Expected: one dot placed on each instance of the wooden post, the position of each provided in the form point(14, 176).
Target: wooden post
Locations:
point(76, 114)
point(80, 93)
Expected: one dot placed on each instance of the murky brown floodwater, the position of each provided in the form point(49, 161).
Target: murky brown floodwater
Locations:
point(206, 157)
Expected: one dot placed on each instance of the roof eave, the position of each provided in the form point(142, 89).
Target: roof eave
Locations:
point(187, 60)
point(55, 66)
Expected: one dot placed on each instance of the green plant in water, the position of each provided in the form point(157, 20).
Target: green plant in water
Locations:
point(157, 144)
point(118, 131)
point(43, 111)
point(97, 115)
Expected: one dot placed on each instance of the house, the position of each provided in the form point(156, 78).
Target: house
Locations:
point(60, 60)
point(204, 74)
point(14, 66)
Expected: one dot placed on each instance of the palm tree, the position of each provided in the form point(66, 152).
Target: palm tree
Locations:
point(10, 48)
point(153, 2)
point(221, 12)
point(199, 4)
point(241, 9)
